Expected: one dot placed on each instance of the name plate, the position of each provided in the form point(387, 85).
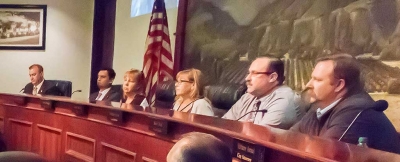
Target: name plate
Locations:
point(248, 152)
point(159, 126)
point(20, 101)
point(116, 116)
point(47, 104)
point(80, 110)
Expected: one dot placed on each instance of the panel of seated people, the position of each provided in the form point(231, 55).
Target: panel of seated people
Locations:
point(61, 129)
point(342, 111)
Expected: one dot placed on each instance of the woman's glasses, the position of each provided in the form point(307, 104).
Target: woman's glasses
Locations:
point(183, 81)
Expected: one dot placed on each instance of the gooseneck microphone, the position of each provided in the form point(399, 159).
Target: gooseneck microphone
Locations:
point(256, 111)
point(76, 91)
point(380, 106)
point(21, 90)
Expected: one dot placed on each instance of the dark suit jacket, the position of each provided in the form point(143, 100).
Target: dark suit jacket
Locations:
point(136, 101)
point(47, 88)
point(114, 94)
point(372, 124)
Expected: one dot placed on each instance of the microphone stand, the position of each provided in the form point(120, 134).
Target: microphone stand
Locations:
point(263, 111)
point(76, 91)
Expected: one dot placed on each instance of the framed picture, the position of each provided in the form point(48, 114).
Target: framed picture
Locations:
point(22, 27)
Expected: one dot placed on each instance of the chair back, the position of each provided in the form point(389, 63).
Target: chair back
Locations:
point(64, 86)
point(165, 94)
point(223, 96)
point(20, 156)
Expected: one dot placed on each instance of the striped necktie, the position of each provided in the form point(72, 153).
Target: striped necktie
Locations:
point(252, 115)
point(34, 92)
point(98, 96)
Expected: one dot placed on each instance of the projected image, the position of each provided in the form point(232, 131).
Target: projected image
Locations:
point(141, 7)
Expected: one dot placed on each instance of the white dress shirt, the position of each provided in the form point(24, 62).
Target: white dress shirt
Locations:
point(103, 93)
point(320, 112)
point(37, 87)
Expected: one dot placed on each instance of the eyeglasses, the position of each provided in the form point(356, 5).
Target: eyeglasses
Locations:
point(183, 81)
point(252, 73)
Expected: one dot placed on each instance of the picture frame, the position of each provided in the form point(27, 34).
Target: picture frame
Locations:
point(22, 27)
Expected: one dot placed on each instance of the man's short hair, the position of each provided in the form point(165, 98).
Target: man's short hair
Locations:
point(40, 67)
point(200, 147)
point(276, 65)
point(347, 68)
point(110, 71)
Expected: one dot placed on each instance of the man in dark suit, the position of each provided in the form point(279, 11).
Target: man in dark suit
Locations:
point(338, 96)
point(38, 85)
point(106, 92)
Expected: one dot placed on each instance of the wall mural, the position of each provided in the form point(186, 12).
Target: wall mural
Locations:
point(224, 36)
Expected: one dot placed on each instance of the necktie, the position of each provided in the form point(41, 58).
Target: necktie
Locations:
point(34, 92)
point(98, 96)
point(319, 113)
point(256, 106)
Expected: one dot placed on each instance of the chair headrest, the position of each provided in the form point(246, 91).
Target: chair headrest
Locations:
point(224, 96)
point(165, 91)
point(64, 86)
point(116, 87)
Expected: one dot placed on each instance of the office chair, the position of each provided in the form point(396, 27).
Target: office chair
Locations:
point(20, 156)
point(223, 96)
point(65, 87)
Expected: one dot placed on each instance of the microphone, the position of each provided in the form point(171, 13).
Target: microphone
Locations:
point(76, 91)
point(379, 106)
point(21, 90)
point(263, 111)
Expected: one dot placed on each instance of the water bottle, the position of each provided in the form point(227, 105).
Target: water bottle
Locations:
point(362, 142)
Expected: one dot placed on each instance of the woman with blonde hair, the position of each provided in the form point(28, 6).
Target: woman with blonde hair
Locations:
point(133, 87)
point(189, 93)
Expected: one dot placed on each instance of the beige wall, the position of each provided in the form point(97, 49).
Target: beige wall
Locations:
point(130, 37)
point(68, 47)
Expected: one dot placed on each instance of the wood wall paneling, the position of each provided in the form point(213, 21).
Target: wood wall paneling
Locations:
point(145, 159)
point(20, 136)
point(103, 38)
point(180, 36)
point(61, 136)
point(155, 149)
point(111, 153)
point(2, 125)
point(49, 142)
point(80, 147)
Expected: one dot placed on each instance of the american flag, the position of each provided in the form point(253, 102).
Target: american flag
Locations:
point(158, 63)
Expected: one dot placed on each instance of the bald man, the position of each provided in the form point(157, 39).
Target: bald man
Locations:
point(199, 147)
point(267, 102)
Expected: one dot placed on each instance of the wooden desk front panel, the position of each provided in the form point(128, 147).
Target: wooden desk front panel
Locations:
point(61, 137)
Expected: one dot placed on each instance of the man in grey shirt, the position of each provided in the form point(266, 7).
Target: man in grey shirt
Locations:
point(267, 101)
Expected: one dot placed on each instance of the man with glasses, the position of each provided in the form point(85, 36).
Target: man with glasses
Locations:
point(267, 101)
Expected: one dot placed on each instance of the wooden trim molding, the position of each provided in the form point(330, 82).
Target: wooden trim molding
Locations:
point(16, 128)
point(180, 35)
point(49, 142)
point(122, 153)
point(78, 145)
point(146, 159)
